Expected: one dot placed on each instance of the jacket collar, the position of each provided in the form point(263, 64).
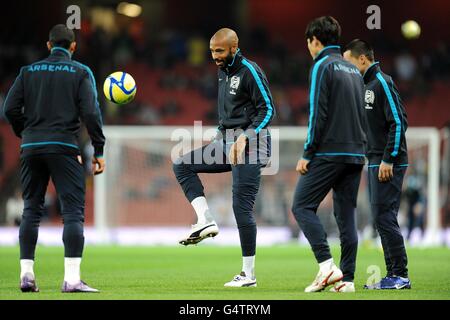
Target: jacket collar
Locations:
point(328, 50)
point(371, 72)
point(60, 52)
point(235, 63)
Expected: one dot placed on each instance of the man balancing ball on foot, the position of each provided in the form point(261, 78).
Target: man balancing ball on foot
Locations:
point(242, 146)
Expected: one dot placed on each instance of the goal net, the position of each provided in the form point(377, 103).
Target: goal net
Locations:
point(138, 188)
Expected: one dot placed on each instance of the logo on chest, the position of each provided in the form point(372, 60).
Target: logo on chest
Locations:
point(234, 84)
point(369, 98)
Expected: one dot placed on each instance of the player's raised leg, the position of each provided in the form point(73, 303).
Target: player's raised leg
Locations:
point(186, 170)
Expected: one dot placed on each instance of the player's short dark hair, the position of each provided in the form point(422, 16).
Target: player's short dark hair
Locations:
point(359, 47)
point(326, 29)
point(61, 36)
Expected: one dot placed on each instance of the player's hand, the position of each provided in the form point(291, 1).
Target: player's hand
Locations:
point(302, 166)
point(237, 150)
point(98, 165)
point(386, 171)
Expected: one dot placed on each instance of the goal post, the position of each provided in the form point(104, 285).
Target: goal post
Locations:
point(429, 137)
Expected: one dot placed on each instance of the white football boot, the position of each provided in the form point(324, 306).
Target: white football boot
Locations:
point(343, 286)
point(200, 232)
point(325, 278)
point(241, 280)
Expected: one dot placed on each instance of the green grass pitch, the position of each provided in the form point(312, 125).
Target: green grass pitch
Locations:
point(199, 272)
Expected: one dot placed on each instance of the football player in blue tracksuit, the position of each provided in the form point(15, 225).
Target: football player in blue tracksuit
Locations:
point(333, 155)
point(245, 109)
point(44, 107)
point(388, 159)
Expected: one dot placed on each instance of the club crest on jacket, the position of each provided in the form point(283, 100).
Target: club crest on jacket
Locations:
point(369, 98)
point(234, 84)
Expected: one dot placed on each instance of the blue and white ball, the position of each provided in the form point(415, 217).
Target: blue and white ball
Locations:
point(119, 87)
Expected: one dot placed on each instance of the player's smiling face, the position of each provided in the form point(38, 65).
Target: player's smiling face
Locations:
point(220, 52)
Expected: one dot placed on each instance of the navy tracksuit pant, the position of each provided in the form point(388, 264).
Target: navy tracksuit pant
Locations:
point(68, 177)
point(344, 179)
point(213, 158)
point(385, 202)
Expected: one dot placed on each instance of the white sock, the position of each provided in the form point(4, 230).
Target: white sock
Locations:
point(326, 265)
point(26, 266)
point(248, 266)
point(72, 270)
point(201, 209)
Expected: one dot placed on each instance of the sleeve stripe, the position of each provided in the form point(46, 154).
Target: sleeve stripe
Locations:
point(398, 124)
point(264, 94)
point(311, 100)
point(317, 96)
point(398, 104)
point(94, 86)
